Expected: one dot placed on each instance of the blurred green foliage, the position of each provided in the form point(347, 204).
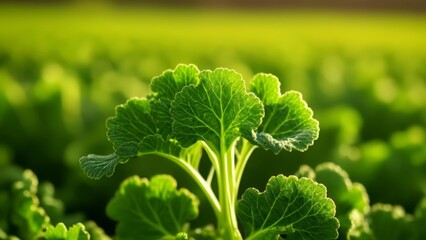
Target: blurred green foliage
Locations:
point(63, 69)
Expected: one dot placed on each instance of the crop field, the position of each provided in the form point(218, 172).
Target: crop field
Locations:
point(63, 69)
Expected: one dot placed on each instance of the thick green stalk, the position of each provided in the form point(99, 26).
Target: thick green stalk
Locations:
point(228, 225)
point(223, 164)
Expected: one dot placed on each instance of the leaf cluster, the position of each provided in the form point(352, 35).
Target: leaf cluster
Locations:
point(28, 211)
point(190, 112)
point(358, 219)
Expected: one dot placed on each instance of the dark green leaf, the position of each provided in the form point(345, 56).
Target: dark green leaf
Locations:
point(131, 124)
point(164, 89)
point(291, 207)
point(391, 222)
point(151, 209)
point(346, 195)
point(216, 111)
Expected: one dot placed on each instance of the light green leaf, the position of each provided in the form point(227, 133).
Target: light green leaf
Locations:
point(156, 143)
point(27, 215)
point(171, 82)
point(151, 209)
point(131, 124)
point(95, 232)
point(164, 89)
point(359, 228)
point(289, 207)
point(182, 236)
point(216, 111)
point(97, 166)
point(60, 232)
point(266, 87)
point(288, 123)
point(192, 154)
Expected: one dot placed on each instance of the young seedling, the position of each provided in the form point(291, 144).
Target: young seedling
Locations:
point(190, 112)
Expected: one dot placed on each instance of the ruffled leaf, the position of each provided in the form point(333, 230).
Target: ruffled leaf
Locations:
point(289, 207)
point(288, 123)
point(216, 111)
point(60, 232)
point(28, 216)
point(153, 209)
point(142, 126)
point(164, 88)
point(347, 196)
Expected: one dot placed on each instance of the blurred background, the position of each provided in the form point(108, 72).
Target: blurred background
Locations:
point(360, 65)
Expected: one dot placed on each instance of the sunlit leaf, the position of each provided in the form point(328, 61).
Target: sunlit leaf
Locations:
point(216, 110)
point(288, 123)
point(289, 207)
point(60, 232)
point(164, 89)
point(27, 215)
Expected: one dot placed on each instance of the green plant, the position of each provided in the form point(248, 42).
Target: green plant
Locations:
point(190, 111)
point(28, 211)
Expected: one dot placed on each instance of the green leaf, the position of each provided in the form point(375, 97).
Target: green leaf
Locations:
point(216, 111)
point(359, 228)
point(97, 166)
point(164, 89)
point(60, 232)
point(266, 87)
point(171, 82)
point(95, 232)
point(27, 214)
point(53, 206)
point(390, 222)
point(288, 123)
point(126, 130)
point(156, 144)
point(182, 236)
point(153, 209)
point(130, 125)
point(347, 196)
point(289, 207)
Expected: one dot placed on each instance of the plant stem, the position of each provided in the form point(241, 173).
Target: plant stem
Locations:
point(228, 225)
point(243, 157)
point(205, 187)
